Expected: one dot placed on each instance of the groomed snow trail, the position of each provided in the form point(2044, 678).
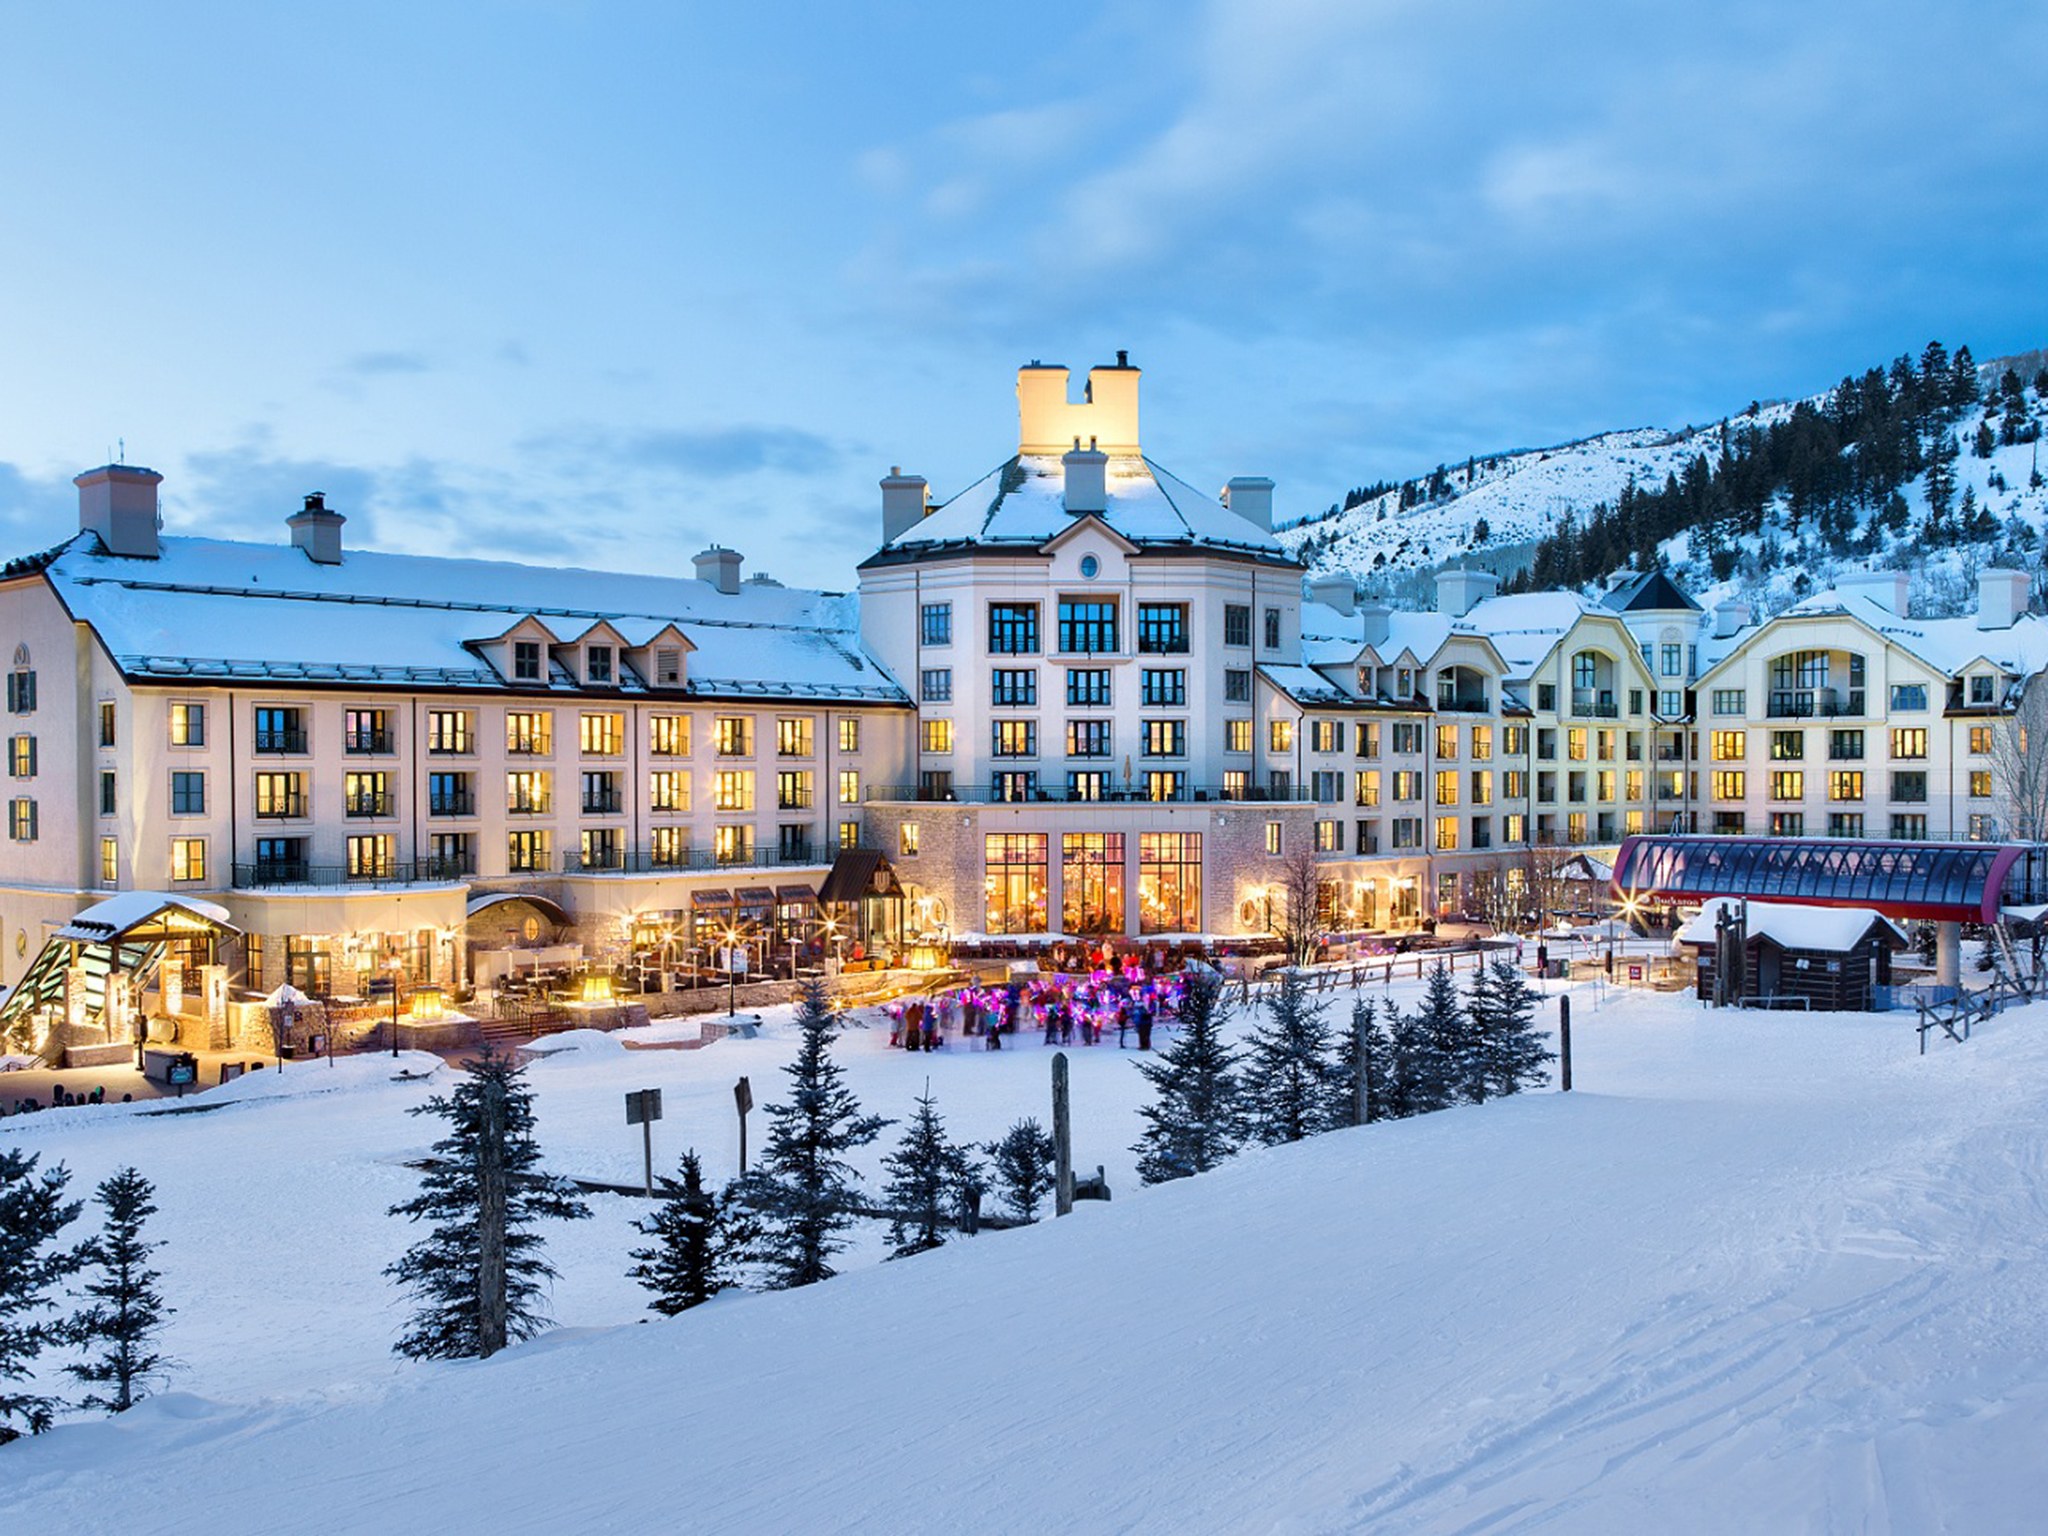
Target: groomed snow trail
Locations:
point(1761, 1274)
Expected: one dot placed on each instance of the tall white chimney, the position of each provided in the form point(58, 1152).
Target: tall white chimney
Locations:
point(1338, 592)
point(2001, 597)
point(905, 500)
point(316, 528)
point(1459, 591)
point(1887, 589)
point(1087, 479)
point(118, 502)
point(1251, 498)
point(1374, 620)
point(721, 567)
point(1730, 618)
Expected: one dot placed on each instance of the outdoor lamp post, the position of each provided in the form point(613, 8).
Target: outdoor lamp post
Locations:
point(394, 965)
point(732, 974)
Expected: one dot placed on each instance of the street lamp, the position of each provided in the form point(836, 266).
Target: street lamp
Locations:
point(732, 974)
point(393, 963)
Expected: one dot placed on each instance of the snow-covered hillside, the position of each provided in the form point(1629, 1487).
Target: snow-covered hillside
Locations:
point(1492, 511)
point(1758, 1274)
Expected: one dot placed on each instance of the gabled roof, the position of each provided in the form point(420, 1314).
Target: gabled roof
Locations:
point(1794, 925)
point(1948, 646)
point(1088, 520)
point(1651, 592)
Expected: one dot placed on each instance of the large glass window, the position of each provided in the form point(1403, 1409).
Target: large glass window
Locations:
point(936, 623)
point(1169, 882)
point(1088, 738)
point(1088, 686)
point(1163, 688)
point(1092, 882)
point(448, 732)
point(1013, 629)
point(1162, 628)
point(1016, 881)
point(1087, 627)
point(1013, 689)
point(1164, 738)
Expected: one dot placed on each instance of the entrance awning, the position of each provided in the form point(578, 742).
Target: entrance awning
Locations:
point(713, 898)
point(856, 874)
point(146, 917)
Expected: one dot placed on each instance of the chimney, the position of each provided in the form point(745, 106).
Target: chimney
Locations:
point(317, 530)
point(1251, 498)
point(2001, 597)
point(118, 502)
point(1458, 592)
point(905, 500)
point(1730, 618)
point(1887, 589)
point(721, 567)
point(1373, 618)
point(1338, 592)
point(1087, 478)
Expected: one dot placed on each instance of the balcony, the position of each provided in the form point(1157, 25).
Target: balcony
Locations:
point(285, 808)
point(1815, 704)
point(280, 742)
point(996, 794)
point(267, 874)
point(1462, 705)
point(365, 805)
point(601, 802)
point(648, 861)
point(530, 808)
point(460, 804)
point(1594, 704)
point(366, 743)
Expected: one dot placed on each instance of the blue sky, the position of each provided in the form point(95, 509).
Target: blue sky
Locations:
point(599, 282)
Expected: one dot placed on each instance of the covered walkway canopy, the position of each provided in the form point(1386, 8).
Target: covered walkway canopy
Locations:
point(1914, 882)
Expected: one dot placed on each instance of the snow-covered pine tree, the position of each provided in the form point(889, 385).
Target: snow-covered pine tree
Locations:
point(1194, 1120)
point(1288, 1066)
point(477, 1274)
point(684, 1266)
point(33, 1211)
point(119, 1327)
point(1482, 1024)
point(925, 1174)
point(1513, 1053)
point(1442, 1045)
point(1023, 1162)
point(1377, 1064)
point(796, 1197)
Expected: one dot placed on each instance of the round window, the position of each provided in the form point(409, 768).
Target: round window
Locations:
point(1090, 566)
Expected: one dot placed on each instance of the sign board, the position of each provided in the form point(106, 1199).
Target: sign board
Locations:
point(643, 1106)
point(1635, 973)
point(181, 1072)
point(739, 959)
point(743, 1095)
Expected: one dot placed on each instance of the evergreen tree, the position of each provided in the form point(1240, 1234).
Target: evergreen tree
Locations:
point(121, 1324)
point(684, 1266)
point(925, 1173)
point(1443, 1043)
point(483, 1193)
point(1482, 1024)
point(1962, 380)
point(1412, 1080)
point(1512, 1054)
point(1024, 1169)
point(796, 1198)
point(1941, 475)
point(33, 1211)
point(1985, 440)
point(1377, 1065)
point(1288, 1066)
point(1193, 1121)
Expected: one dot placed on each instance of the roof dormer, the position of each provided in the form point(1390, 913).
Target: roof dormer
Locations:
point(523, 654)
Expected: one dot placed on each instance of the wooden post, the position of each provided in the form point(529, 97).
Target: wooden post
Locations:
point(1062, 1138)
point(1361, 1089)
point(490, 1221)
point(647, 1148)
point(1564, 1043)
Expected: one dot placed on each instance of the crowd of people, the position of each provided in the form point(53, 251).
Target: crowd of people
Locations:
point(1120, 997)
point(60, 1098)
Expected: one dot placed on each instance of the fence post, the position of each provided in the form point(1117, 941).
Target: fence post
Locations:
point(1062, 1139)
point(1564, 1043)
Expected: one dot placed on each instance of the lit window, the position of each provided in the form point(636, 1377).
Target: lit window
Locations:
point(1274, 838)
point(907, 839)
point(188, 725)
point(188, 858)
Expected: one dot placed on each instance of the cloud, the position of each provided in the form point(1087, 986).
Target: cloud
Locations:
point(717, 453)
point(36, 511)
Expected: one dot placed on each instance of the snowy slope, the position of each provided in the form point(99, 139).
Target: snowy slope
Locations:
point(1521, 496)
point(1760, 1274)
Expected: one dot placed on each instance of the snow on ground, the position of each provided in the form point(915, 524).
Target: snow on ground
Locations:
point(1760, 1273)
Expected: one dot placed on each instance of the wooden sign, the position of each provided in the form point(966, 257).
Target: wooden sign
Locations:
point(643, 1106)
point(743, 1095)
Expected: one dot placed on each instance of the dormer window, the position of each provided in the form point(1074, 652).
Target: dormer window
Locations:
point(597, 664)
point(668, 666)
point(526, 660)
point(1980, 688)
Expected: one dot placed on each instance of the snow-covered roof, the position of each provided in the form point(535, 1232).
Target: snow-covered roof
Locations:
point(1792, 925)
point(1947, 645)
point(216, 609)
point(1305, 685)
point(105, 920)
point(1022, 502)
point(1525, 627)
